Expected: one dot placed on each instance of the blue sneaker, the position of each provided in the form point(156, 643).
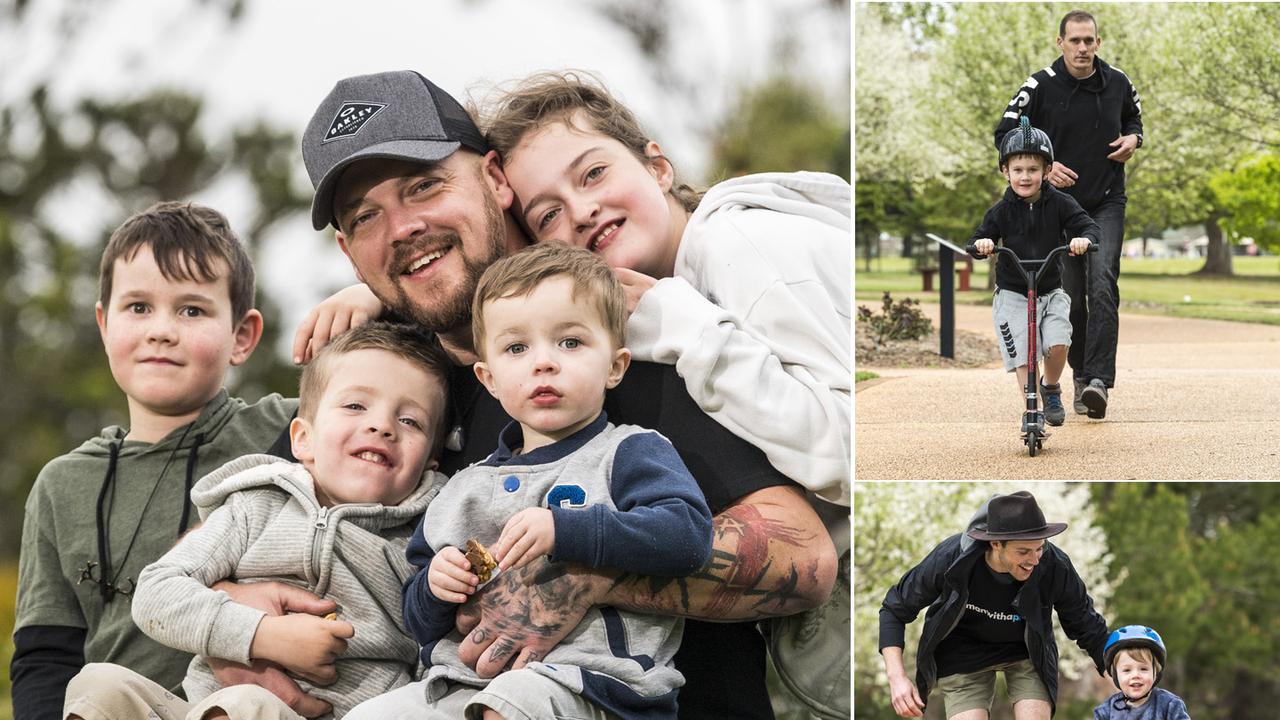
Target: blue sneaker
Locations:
point(1054, 412)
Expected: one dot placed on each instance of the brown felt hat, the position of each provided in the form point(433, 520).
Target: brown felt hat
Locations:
point(1016, 516)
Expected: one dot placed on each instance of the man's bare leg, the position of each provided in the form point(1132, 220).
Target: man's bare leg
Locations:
point(1031, 710)
point(978, 714)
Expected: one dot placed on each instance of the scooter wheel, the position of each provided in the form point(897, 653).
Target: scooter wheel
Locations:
point(1033, 444)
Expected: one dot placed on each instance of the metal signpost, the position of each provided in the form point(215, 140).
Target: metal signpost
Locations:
point(946, 294)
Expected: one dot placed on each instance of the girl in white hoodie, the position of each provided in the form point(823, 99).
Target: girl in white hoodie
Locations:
point(745, 288)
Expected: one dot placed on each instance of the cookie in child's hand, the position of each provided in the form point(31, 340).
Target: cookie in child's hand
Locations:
point(482, 563)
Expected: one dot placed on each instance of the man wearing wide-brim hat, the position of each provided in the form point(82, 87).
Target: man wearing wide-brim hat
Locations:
point(990, 592)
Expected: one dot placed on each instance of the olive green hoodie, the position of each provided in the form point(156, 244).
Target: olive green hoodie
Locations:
point(60, 530)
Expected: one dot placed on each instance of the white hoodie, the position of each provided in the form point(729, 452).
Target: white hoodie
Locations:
point(757, 320)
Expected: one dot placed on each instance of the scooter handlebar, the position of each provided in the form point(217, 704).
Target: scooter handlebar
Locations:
point(972, 249)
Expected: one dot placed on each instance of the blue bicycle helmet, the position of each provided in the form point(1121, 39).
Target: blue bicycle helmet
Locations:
point(1025, 140)
point(1134, 636)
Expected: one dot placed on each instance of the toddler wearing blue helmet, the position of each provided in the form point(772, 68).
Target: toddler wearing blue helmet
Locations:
point(1135, 657)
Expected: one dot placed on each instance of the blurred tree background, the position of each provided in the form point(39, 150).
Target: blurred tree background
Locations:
point(1191, 560)
point(933, 79)
point(71, 171)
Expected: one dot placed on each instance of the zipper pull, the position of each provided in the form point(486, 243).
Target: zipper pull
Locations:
point(322, 520)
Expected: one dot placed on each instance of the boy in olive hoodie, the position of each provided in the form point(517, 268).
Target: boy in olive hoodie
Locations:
point(175, 312)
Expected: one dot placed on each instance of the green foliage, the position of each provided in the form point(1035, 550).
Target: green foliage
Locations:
point(1234, 84)
point(900, 320)
point(802, 133)
point(1249, 196)
point(58, 388)
point(1190, 560)
point(934, 79)
point(8, 599)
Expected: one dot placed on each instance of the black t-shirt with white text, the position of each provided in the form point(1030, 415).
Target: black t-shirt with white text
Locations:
point(990, 631)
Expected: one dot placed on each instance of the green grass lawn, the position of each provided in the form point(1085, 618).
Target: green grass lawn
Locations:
point(1161, 287)
point(860, 375)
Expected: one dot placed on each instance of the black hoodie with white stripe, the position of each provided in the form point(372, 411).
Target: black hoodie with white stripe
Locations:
point(1082, 118)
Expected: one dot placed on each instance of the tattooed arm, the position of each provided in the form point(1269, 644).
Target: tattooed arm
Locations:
point(771, 556)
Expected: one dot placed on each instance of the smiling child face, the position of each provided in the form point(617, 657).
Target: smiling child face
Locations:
point(373, 429)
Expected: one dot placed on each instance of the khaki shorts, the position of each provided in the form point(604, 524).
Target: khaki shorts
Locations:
point(977, 690)
point(102, 691)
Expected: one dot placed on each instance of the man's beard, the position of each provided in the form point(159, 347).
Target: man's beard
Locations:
point(453, 313)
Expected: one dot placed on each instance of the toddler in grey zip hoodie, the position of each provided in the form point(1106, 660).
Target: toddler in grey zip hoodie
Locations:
point(337, 523)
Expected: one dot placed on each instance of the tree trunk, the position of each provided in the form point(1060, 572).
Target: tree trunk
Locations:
point(868, 239)
point(908, 245)
point(1217, 259)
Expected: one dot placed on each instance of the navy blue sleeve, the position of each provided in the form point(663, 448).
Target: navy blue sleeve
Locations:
point(45, 658)
point(1079, 619)
point(425, 616)
point(662, 526)
point(917, 589)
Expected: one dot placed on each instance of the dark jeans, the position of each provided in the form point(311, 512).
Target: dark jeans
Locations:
point(1091, 281)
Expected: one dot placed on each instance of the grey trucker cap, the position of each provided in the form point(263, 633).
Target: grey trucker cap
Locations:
point(397, 115)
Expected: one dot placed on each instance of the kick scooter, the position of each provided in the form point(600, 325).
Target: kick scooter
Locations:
point(1033, 433)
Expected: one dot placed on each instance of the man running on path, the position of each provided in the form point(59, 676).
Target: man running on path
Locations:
point(991, 593)
point(1092, 114)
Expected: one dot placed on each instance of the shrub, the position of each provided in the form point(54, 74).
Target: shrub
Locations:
point(896, 321)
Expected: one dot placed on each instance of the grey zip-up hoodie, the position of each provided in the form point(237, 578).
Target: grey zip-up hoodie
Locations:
point(262, 522)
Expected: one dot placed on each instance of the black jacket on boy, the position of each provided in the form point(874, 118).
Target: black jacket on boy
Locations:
point(1033, 229)
point(941, 583)
point(1073, 113)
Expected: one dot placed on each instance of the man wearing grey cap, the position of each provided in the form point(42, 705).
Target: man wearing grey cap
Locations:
point(419, 202)
point(991, 592)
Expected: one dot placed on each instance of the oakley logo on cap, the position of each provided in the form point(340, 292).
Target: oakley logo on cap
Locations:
point(350, 118)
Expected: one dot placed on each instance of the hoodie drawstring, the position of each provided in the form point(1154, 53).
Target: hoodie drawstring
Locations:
point(104, 550)
point(192, 458)
point(106, 577)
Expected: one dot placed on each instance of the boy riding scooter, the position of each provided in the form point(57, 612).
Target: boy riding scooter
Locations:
point(1030, 221)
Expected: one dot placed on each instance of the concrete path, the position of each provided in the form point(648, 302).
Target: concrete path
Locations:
point(1194, 400)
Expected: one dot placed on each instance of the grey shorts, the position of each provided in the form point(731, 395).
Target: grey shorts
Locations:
point(1053, 324)
point(516, 695)
point(977, 690)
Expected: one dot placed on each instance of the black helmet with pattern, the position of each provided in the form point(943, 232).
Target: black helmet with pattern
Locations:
point(1025, 140)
